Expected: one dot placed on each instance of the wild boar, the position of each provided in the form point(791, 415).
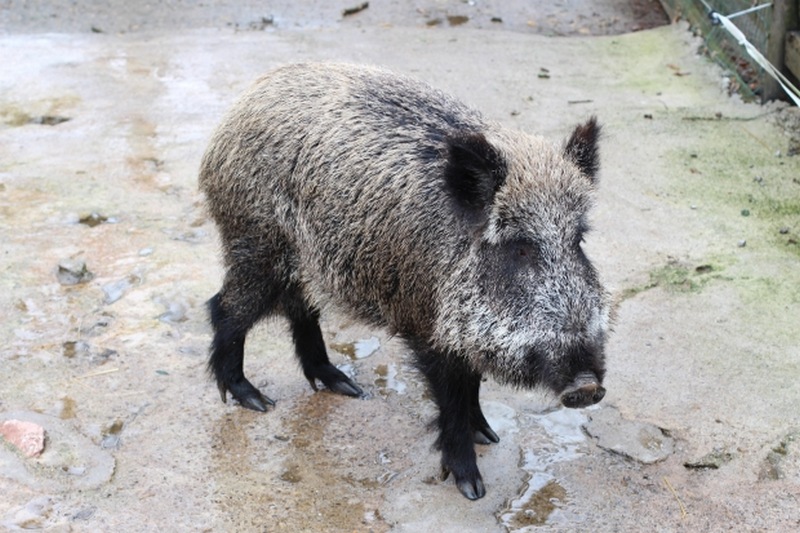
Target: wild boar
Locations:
point(354, 188)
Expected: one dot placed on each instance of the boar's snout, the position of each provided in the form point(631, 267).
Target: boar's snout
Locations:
point(585, 390)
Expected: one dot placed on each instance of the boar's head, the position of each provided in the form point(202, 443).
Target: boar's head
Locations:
point(522, 301)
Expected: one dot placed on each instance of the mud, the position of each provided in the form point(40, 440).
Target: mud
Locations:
point(705, 341)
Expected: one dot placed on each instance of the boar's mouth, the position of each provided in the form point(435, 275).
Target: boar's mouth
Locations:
point(584, 390)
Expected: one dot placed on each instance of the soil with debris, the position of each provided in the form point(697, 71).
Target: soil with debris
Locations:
point(108, 258)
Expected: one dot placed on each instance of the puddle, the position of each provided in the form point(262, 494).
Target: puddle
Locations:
point(543, 498)
point(387, 380)
point(47, 112)
point(537, 510)
point(359, 349)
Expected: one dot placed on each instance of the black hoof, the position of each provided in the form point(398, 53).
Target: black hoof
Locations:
point(470, 486)
point(485, 435)
point(247, 395)
point(471, 489)
point(334, 380)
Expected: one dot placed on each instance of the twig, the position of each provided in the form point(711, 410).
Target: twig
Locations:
point(684, 514)
point(353, 10)
point(762, 143)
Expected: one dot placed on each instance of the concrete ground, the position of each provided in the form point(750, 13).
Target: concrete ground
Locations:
point(696, 233)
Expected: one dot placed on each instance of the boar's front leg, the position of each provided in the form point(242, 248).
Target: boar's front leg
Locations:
point(454, 387)
point(482, 433)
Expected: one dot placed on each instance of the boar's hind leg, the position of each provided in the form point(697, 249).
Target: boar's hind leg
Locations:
point(231, 321)
point(454, 387)
point(310, 348)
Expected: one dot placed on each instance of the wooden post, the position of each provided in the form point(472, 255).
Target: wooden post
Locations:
point(792, 54)
point(784, 19)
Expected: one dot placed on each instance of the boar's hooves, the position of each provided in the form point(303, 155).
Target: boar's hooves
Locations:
point(471, 488)
point(247, 395)
point(485, 435)
point(335, 380)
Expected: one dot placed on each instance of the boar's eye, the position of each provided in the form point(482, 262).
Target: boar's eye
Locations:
point(524, 251)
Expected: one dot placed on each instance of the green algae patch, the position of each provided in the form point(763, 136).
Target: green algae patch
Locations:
point(738, 175)
point(676, 276)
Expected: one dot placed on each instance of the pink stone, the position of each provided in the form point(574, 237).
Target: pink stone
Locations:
point(26, 436)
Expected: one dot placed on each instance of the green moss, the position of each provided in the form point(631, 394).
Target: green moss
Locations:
point(678, 277)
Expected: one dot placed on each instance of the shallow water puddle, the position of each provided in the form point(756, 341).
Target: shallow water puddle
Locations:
point(359, 349)
point(387, 379)
point(543, 498)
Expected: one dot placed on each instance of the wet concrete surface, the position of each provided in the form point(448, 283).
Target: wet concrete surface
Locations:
point(559, 17)
point(704, 352)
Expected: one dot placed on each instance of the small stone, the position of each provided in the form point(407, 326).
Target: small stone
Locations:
point(742, 243)
point(27, 437)
point(84, 514)
point(110, 442)
point(73, 272)
point(640, 441)
point(745, 212)
point(93, 219)
point(117, 289)
point(176, 311)
point(784, 230)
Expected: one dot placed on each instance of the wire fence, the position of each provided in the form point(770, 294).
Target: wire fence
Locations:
point(746, 77)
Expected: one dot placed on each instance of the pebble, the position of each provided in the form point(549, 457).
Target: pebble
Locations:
point(27, 437)
point(176, 311)
point(73, 272)
point(93, 219)
point(117, 289)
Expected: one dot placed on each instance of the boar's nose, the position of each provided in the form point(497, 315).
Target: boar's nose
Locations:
point(583, 391)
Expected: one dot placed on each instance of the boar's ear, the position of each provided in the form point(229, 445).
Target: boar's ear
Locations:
point(475, 170)
point(581, 148)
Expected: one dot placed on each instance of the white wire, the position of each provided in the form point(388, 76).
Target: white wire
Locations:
point(784, 82)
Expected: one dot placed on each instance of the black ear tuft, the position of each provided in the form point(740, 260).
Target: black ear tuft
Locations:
point(475, 170)
point(581, 148)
